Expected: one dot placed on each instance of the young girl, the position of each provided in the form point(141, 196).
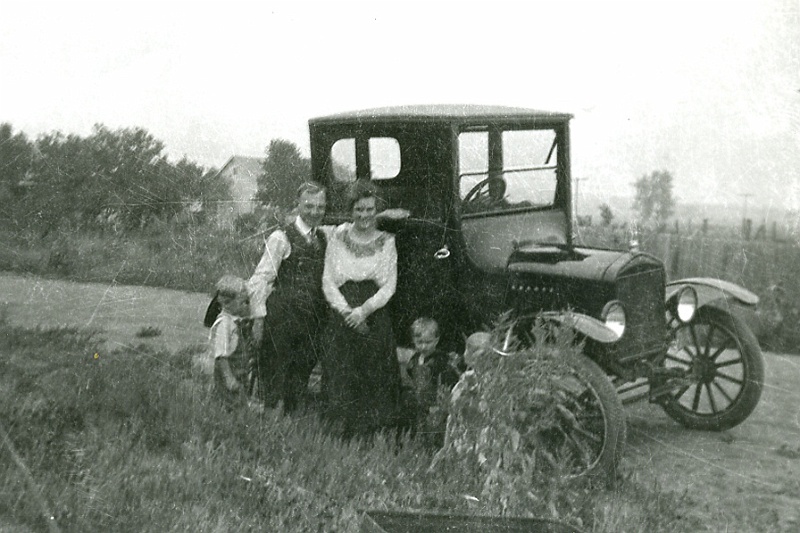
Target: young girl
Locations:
point(226, 343)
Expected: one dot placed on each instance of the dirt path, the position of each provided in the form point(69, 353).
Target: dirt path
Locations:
point(742, 480)
point(118, 312)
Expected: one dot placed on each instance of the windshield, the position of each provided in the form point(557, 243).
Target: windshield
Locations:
point(503, 171)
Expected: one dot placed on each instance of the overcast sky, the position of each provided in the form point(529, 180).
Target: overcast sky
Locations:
point(707, 90)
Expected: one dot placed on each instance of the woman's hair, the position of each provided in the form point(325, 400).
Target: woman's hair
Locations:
point(361, 189)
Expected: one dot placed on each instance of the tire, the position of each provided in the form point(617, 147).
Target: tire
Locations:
point(724, 368)
point(591, 441)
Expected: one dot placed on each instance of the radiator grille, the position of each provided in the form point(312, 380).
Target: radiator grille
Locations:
point(642, 294)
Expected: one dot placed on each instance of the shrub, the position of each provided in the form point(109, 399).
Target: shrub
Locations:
point(503, 417)
point(148, 332)
point(260, 220)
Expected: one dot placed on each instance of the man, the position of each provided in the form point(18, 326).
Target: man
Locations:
point(287, 303)
point(497, 192)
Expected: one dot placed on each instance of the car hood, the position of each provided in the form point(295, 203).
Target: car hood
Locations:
point(577, 263)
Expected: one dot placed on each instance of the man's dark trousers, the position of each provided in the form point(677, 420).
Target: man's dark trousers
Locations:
point(296, 310)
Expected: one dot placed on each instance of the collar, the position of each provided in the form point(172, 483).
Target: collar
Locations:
point(225, 315)
point(301, 225)
point(420, 360)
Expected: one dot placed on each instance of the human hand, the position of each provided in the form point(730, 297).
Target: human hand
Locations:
point(232, 384)
point(355, 318)
point(258, 329)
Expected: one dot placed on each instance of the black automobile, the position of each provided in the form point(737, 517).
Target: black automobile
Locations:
point(489, 192)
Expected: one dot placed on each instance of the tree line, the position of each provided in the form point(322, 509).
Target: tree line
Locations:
point(124, 174)
point(653, 202)
point(79, 182)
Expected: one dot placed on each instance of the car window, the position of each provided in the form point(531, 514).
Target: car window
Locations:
point(384, 158)
point(473, 152)
point(527, 178)
point(343, 158)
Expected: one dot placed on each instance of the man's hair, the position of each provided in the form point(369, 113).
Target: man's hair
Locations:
point(361, 189)
point(425, 324)
point(309, 187)
point(230, 287)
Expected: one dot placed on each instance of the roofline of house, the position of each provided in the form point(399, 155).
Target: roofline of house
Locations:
point(230, 160)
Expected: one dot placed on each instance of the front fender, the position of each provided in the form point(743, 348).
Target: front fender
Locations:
point(585, 324)
point(712, 291)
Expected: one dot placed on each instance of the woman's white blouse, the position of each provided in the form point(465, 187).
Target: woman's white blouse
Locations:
point(349, 260)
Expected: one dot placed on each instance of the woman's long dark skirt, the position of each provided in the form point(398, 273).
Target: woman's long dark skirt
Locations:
point(360, 372)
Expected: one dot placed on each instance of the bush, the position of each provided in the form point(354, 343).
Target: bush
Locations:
point(258, 221)
point(501, 418)
point(148, 332)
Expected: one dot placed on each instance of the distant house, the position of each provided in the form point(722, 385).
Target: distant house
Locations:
point(242, 174)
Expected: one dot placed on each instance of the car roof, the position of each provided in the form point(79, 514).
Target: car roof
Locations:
point(465, 113)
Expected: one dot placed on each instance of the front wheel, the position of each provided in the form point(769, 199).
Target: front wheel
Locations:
point(723, 368)
point(589, 438)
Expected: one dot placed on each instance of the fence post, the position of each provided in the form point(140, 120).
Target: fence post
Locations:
point(747, 228)
point(675, 258)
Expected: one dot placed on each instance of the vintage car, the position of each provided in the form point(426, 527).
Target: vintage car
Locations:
point(490, 196)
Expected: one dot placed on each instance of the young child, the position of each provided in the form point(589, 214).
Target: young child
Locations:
point(477, 346)
point(428, 369)
point(226, 342)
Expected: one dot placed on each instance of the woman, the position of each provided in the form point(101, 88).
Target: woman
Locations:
point(361, 375)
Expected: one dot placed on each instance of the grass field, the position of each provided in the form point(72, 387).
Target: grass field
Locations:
point(110, 426)
point(120, 312)
point(131, 439)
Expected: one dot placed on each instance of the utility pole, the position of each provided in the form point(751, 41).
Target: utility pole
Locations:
point(746, 224)
point(745, 196)
point(577, 194)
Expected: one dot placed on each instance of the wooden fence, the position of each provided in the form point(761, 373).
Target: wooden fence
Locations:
point(757, 265)
point(770, 269)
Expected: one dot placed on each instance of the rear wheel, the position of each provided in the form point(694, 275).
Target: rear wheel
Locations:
point(723, 368)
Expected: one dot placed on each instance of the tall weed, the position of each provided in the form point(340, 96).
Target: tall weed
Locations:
point(182, 257)
point(193, 257)
point(134, 440)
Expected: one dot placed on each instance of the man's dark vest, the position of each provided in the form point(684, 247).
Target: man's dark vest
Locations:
point(298, 285)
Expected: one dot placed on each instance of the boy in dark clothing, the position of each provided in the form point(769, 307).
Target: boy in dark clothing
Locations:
point(428, 369)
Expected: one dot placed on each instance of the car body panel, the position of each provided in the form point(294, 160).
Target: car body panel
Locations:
point(711, 291)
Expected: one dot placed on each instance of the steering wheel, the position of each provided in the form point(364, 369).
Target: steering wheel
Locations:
point(473, 192)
